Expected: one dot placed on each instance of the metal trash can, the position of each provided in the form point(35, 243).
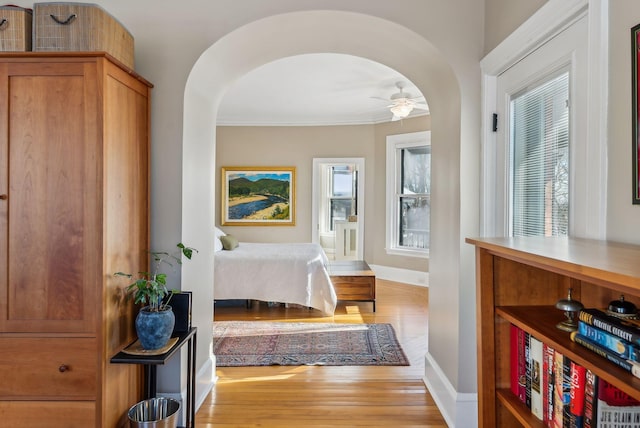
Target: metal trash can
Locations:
point(157, 412)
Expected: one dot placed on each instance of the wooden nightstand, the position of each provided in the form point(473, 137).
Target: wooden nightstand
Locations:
point(353, 280)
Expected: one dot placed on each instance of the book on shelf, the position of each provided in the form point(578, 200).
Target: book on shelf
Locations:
point(576, 395)
point(514, 351)
point(535, 364)
point(547, 383)
point(590, 400)
point(565, 394)
point(632, 367)
point(616, 409)
point(562, 390)
point(527, 356)
point(518, 363)
point(615, 344)
point(627, 329)
point(522, 366)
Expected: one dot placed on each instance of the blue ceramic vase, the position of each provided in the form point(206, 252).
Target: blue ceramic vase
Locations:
point(154, 328)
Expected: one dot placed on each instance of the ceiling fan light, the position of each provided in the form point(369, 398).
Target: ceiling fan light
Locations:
point(401, 110)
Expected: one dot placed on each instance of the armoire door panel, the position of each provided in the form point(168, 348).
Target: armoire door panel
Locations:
point(49, 229)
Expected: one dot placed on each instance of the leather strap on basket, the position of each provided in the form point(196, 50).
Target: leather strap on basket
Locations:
point(66, 21)
point(3, 21)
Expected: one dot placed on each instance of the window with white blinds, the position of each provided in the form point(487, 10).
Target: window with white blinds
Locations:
point(540, 159)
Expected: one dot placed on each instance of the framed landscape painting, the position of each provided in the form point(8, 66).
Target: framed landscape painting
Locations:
point(258, 196)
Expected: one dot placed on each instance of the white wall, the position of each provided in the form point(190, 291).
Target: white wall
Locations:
point(297, 146)
point(290, 146)
point(502, 17)
point(191, 50)
point(623, 218)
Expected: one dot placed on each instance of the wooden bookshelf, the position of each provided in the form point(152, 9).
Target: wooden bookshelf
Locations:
point(519, 280)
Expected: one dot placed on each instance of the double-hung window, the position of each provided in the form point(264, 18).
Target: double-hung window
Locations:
point(408, 193)
point(342, 193)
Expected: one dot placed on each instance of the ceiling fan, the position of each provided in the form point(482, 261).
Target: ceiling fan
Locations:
point(402, 103)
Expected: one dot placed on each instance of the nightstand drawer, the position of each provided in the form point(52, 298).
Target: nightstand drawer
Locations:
point(44, 368)
point(354, 287)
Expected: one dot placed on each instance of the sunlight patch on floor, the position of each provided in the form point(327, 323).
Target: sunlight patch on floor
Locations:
point(351, 310)
point(281, 376)
point(257, 379)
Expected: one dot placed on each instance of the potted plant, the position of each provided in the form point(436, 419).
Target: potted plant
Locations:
point(155, 321)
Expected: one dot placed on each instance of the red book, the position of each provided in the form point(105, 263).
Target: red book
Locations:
point(576, 395)
point(514, 359)
point(527, 361)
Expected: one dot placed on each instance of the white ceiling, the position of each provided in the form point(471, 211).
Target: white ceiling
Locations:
point(313, 89)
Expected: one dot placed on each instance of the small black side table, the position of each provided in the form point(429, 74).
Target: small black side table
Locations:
point(151, 363)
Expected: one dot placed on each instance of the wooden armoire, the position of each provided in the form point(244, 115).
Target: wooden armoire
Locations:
point(74, 202)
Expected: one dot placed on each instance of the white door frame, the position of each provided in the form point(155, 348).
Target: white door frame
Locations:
point(549, 21)
point(315, 194)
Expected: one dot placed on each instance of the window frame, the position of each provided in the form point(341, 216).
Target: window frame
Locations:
point(318, 191)
point(394, 144)
point(330, 196)
point(587, 58)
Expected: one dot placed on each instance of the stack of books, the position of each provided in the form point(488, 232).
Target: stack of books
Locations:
point(562, 393)
point(614, 338)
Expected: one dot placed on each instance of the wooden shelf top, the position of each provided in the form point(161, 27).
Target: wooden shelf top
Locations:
point(70, 56)
point(588, 259)
point(349, 268)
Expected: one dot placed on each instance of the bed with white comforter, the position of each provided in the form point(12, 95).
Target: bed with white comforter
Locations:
point(286, 273)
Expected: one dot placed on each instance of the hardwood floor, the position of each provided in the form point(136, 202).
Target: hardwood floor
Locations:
point(346, 396)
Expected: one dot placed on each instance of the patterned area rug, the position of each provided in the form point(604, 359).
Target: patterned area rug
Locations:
point(261, 343)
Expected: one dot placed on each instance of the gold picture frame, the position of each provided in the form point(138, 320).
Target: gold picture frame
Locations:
point(258, 196)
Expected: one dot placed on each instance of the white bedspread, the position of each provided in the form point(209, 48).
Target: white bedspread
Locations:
point(285, 273)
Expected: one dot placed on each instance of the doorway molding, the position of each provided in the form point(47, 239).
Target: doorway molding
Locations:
point(451, 297)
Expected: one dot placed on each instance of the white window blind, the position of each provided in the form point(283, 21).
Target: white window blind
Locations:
point(540, 159)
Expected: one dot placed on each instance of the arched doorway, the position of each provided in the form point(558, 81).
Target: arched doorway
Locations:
point(297, 33)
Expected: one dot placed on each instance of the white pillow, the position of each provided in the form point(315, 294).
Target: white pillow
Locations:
point(218, 232)
point(217, 244)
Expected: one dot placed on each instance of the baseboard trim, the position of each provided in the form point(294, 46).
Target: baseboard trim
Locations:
point(205, 381)
point(458, 409)
point(407, 276)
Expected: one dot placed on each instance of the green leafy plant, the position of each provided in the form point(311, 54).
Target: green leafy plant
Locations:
point(150, 288)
